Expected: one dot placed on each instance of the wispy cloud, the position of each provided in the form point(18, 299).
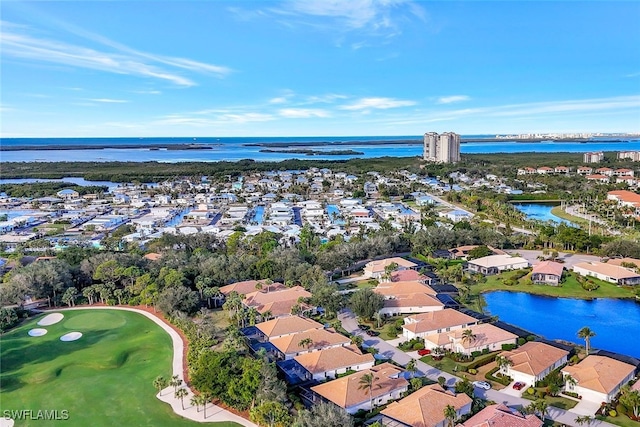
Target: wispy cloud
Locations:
point(633, 75)
point(377, 103)
point(278, 100)
point(16, 42)
point(302, 113)
point(108, 100)
point(214, 120)
point(452, 99)
point(148, 92)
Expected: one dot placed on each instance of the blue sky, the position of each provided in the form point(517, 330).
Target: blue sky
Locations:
point(318, 67)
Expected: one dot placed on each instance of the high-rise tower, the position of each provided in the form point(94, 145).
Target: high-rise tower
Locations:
point(444, 148)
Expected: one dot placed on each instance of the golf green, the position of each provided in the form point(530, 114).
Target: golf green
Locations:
point(105, 378)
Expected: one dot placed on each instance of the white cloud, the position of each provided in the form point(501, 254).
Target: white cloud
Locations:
point(377, 103)
point(302, 113)
point(278, 100)
point(108, 100)
point(452, 99)
point(17, 43)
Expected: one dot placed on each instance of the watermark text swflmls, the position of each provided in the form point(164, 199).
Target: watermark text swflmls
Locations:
point(41, 414)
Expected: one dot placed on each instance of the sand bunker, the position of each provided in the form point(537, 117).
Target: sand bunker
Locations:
point(71, 336)
point(51, 319)
point(37, 332)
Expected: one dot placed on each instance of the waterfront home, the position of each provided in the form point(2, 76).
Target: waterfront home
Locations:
point(425, 408)
point(278, 303)
point(284, 326)
point(435, 322)
point(482, 336)
point(597, 378)
point(347, 392)
point(502, 416)
point(328, 363)
point(533, 361)
point(547, 273)
point(289, 346)
point(494, 264)
point(376, 269)
point(394, 289)
point(609, 273)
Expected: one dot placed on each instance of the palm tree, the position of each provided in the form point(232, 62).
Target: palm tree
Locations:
point(181, 393)
point(468, 336)
point(586, 419)
point(412, 367)
point(159, 383)
point(503, 363)
point(175, 382)
point(306, 343)
point(195, 401)
point(366, 383)
point(206, 397)
point(450, 414)
point(586, 334)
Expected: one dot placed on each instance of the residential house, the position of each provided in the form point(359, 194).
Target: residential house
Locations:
point(597, 378)
point(494, 264)
point(584, 170)
point(68, 194)
point(284, 326)
point(435, 322)
point(604, 179)
point(482, 336)
point(347, 392)
point(462, 252)
point(631, 263)
point(377, 269)
point(547, 273)
point(623, 172)
point(425, 408)
point(330, 362)
point(609, 273)
point(533, 361)
point(562, 169)
point(604, 171)
point(249, 286)
point(501, 415)
point(290, 346)
point(279, 302)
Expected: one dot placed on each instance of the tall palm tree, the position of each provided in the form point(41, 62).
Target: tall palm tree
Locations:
point(366, 383)
point(412, 367)
point(159, 383)
point(175, 382)
point(206, 397)
point(195, 401)
point(468, 336)
point(503, 363)
point(586, 334)
point(181, 393)
point(450, 414)
point(306, 343)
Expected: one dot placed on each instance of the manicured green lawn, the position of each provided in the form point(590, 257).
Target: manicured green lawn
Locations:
point(103, 379)
point(620, 420)
point(569, 289)
point(557, 401)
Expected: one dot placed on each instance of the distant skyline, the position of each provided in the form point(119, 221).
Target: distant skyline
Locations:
point(317, 68)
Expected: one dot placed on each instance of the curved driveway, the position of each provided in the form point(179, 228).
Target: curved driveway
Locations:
point(350, 324)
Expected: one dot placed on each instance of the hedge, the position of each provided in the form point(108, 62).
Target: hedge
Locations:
point(482, 361)
point(502, 380)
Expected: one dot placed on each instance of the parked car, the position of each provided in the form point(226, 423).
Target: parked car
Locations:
point(519, 385)
point(372, 333)
point(364, 327)
point(424, 352)
point(482, 384)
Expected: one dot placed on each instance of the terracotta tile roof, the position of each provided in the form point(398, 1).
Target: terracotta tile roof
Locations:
point(379, 265)
point(425, 407)
point(502, 416)
point(321, 338)
point(619, 261)
point(153, 256)
point(548, 267)
point(260, 298)
point(599, 373)
point(636, 386)
point(247, 287)
point(613, 271)
point(485, 333)
point(345, 391)
point(534, 358)
point(413, 300)
point(625, 196)
point(331, 359)
point(434, 320)
point(406, 275)
point(398, 288)
point(287, 325)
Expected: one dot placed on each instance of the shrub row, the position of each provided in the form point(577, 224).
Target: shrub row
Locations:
point(502, 380)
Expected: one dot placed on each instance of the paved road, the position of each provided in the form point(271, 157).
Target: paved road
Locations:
point(350, 324)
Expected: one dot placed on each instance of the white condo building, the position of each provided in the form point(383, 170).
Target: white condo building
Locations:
point(443, 148)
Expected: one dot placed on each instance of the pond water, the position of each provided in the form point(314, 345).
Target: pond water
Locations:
point(615, 322)
point(541, 212)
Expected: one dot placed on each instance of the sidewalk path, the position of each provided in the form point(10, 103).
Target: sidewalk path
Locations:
point(214, 412)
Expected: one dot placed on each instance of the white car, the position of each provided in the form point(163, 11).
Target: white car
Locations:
point(482, 384)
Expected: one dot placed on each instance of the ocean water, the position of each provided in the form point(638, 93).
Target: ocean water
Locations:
point(233, 149)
